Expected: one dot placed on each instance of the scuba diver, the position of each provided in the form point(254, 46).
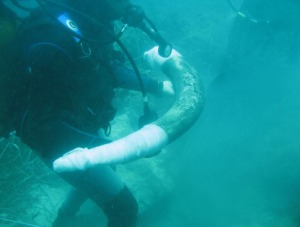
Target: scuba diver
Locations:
point(69, 85)
point(71, 70)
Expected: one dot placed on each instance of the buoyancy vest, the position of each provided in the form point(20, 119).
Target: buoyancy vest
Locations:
point(90, 86)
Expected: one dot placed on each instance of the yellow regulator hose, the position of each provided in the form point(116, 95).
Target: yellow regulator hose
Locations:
point(150, 139)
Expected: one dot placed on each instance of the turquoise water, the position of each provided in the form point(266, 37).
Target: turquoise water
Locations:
point(239, 165)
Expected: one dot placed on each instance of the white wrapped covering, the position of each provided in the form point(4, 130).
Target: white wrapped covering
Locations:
point(145, 142)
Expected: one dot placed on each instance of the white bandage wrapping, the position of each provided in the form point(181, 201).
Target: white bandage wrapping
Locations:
point(145, 142)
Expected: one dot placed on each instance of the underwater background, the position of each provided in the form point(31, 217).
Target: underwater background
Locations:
point(238, 166)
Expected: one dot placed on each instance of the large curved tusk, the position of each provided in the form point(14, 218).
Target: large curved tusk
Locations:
point(151, 138)
point(189, 101)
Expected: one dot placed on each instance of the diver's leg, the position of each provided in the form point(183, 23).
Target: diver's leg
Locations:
point(72, 203)
point(122, 210)
point(102, 185)
point(69, 207)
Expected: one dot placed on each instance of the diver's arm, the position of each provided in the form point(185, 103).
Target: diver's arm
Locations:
point(126, 78)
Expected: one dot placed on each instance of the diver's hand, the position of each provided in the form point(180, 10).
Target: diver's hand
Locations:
point(167, 88)
point(155, 60)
